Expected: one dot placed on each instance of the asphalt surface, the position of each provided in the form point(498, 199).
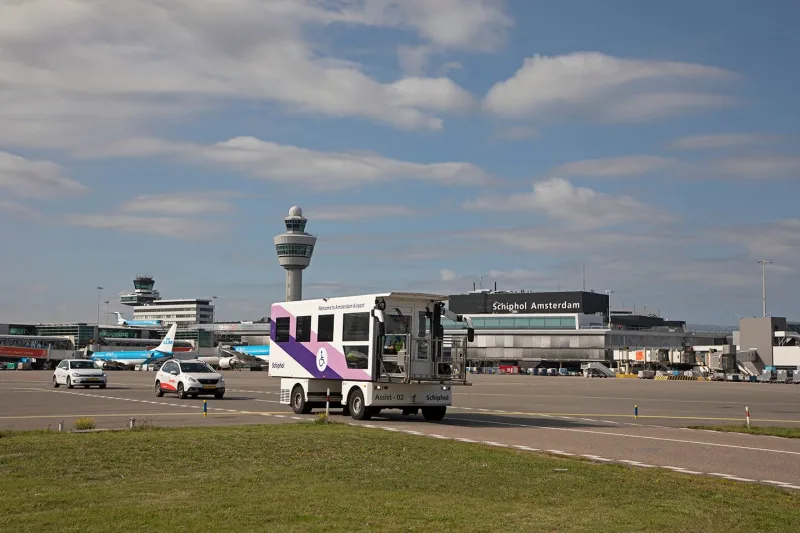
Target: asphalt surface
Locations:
point(571, 416)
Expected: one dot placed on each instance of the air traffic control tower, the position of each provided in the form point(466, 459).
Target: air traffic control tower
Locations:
point(294, 249)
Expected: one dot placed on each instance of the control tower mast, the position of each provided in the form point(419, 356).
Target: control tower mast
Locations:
point(294, 249)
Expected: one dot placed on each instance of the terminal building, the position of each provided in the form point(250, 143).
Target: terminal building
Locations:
point(572, 328)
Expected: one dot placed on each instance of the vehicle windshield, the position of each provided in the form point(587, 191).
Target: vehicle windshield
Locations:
point(196, 368)
point(84, 365)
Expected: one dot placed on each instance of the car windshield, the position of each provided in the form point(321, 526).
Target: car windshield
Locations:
point(84, 365)
point(196, 368)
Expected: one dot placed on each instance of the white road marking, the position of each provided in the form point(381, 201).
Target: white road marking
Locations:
point(625, 435)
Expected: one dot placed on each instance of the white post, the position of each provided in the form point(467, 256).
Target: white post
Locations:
point(747, 412)
point(327, 401)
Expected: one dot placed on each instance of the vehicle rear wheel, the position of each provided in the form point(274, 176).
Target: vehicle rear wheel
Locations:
point(299, 404)
point(434, 413)
point(55, 383)
point(358, 410)
point(159, 392)
point(181, 391)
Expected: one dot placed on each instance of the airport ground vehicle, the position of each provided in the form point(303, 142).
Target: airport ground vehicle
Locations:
point(191, 377)
point(370, 352)
point(79, 373)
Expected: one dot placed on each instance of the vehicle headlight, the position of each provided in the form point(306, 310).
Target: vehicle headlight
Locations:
point(104, 375)
point(192, 379)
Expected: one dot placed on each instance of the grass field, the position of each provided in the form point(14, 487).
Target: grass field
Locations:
point(334, 477)
point(790, 433)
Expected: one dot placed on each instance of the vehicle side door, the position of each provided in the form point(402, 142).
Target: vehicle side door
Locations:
point(61, 372)
point(168, 376)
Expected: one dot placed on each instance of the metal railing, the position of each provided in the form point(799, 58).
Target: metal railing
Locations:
point(424, 352)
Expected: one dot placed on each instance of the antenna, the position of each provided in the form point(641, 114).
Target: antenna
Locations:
point(584, 277)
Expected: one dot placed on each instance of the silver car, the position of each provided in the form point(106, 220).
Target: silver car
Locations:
point(79, 372)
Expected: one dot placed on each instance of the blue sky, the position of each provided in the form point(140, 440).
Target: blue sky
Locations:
point(429, 143)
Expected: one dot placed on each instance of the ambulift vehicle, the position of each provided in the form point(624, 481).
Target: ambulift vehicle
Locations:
point(369, 353)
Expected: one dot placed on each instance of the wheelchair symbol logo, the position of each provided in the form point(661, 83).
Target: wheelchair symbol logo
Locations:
point(322, 359)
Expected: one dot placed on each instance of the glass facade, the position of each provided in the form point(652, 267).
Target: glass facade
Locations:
point(297, 225)
point(514, 322)
point(296, 250)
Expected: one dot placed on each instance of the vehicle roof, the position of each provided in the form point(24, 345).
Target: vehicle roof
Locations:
point(399, 295)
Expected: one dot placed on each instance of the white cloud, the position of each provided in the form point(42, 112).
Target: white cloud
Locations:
point(181, 203)
point(292, 164)
point(413, 59)
point(358, 212)
point(599, 85)
point(651, 106)
point(461, 24)
point(758, 167)
point(614, 166)
point(173, 227)
point(447, 275)
point(26, 178)
point(69, 76)
point(578, 206)
point(721, 140)
point(778, 240)
point(17, 210)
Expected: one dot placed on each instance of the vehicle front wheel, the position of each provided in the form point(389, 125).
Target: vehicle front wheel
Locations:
point(358, 410)
point(69, 382)
point(55, 383)
point(181, 392)
point(219, 395)
point(159, 392)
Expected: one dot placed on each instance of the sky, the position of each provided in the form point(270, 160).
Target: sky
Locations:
point(431, 145)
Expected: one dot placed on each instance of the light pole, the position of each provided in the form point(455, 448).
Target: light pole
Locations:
point(764, 263)
point(98, 305)
point(609, 293)
point(214, 311)
point(106, 302)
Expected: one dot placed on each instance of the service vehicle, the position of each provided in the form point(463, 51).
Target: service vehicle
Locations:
point(368, 353)
point(79, 372)
point(189, 377)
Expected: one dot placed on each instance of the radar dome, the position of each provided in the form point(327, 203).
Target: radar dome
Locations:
point(295, 211)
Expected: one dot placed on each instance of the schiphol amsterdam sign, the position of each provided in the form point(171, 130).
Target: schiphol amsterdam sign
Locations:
point(533, 306)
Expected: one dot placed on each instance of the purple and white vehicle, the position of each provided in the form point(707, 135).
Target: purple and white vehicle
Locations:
point(368, 353)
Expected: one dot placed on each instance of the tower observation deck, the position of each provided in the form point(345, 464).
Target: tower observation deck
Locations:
point(143, 292)
point(294, 249)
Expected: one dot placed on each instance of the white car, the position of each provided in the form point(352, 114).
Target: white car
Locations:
point(79, 372)
point(189, 378)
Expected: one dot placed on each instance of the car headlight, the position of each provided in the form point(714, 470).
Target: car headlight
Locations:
point(104, 375)
point(190, 378)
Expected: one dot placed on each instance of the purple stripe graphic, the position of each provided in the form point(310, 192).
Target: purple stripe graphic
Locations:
point(306, 353)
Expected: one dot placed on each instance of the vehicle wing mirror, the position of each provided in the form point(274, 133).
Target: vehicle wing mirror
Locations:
point(173, 372)
point(470, 334)
point(381, 329)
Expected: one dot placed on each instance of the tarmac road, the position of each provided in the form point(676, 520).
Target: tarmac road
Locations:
point(572, 416)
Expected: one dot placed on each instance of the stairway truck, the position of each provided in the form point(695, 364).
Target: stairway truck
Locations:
point(369, 353)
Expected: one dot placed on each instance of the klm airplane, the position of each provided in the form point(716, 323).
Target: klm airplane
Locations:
point(132, 358)
point(137, 323)
point(252, 350)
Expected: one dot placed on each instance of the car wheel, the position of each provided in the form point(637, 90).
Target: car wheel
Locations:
point(219, 395)
point(358, 410)
point(159, 392)
point(181, 392)
point(103, 386)
point(55, 383)
point(299, 404)
point(69, 383)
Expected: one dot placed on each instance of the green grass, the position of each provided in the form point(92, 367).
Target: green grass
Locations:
point(334, 477)
point(789, 433)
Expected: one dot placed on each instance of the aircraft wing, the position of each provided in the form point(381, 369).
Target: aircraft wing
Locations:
point(243, 358)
